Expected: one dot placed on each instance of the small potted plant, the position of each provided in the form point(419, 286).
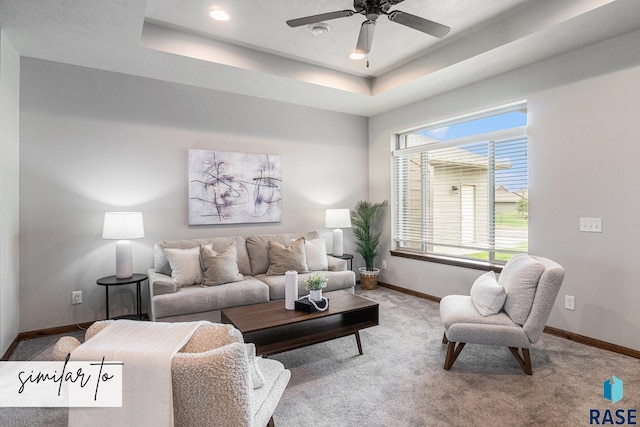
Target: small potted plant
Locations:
point(315, 283)
point(363, 224)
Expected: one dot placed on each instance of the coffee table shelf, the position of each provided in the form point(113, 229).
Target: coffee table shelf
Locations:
point(274, 329)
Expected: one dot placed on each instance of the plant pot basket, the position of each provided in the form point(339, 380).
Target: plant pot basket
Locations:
point(369, 279)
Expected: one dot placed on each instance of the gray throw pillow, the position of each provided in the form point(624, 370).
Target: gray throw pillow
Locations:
point(284, 258)
point(220, 268)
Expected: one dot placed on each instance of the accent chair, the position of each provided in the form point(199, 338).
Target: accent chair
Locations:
point(511, 311)
point(216, 378)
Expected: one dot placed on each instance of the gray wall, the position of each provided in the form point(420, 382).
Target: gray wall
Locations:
point(583, 114)
point(9, 214)
point(95, 141)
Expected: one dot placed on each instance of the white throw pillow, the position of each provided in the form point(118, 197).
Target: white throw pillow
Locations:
point(316, 250)
point(185, 265)
point(487, 295)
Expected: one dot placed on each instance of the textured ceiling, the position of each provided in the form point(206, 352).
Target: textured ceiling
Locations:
point(255, 53)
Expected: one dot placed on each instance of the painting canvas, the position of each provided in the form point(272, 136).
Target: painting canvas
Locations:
point(233, 188)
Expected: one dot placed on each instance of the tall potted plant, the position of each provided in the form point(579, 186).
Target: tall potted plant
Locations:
point(363, 223)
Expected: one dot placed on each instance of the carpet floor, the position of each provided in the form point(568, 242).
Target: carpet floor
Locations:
point(399, 381)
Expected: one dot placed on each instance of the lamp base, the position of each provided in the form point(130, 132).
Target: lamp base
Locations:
point(124, 260)
point(337, 242)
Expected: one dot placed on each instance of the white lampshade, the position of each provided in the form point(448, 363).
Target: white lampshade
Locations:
point(337, 219)
point(122, 226)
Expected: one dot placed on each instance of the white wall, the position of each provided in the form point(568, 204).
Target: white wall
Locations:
point(583, 142)
point(9, 214)
point(94, 141)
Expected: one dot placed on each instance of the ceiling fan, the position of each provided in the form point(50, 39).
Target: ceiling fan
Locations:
point(372, 9)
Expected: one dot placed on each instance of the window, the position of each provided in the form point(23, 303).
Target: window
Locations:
point(461, 187)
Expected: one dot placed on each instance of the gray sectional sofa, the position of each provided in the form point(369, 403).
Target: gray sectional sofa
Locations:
point(173, 298)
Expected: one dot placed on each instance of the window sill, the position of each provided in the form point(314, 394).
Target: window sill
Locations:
point(457, 262)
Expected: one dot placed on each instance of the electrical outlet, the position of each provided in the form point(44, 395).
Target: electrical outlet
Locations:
point(76, 297)
point(569, 302)
point(384, 263)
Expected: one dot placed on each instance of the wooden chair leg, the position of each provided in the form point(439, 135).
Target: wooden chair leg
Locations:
point(524, 361)
point(271, 423)
point(444, 339)
point(452, 354)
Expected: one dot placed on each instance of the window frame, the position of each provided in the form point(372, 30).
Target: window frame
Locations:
point(399, 149)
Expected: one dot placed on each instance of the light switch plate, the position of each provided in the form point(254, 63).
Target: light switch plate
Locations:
point(569, 302)
point(591, 225)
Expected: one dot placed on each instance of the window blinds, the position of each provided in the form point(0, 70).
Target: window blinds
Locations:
point(467, 200)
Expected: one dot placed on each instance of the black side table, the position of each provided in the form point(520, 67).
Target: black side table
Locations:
point(114, 281)
point(347, 257)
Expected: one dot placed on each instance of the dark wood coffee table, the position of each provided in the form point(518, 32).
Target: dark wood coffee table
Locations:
point(274, 329)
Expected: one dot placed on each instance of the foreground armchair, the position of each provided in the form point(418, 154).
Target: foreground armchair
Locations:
point(216, 378)
point(511, 311)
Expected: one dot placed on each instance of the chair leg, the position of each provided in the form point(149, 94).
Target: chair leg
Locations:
point(271, 423)
point(524, 361)
point(452, 354)
point(444, 339)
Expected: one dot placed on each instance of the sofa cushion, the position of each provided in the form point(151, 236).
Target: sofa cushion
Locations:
point(218, 269)
point(219, 244)
point(487, 295)
point(258, 248)
point(520, 280)
point(185, 265)
point(196, 299)
point(316, 250)
point(285, 258)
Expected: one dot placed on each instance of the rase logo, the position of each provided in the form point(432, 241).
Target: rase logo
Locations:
point(613, 391)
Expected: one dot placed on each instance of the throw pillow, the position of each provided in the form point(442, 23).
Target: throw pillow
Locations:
point(219, 268)
point(284, 258)
point(316, 250)
point(520, 280)
point(185, 265)
point(487, 295)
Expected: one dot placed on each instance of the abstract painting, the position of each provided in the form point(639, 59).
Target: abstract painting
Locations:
point(234, 188)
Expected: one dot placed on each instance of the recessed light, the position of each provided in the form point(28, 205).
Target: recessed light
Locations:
point(219, 15)
point(356, 55)
point(319, 28)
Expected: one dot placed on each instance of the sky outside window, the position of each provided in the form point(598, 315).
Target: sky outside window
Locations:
point(502, 121)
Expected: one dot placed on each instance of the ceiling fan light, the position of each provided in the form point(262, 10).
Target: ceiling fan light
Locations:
point(219, 15)
point(356, 55)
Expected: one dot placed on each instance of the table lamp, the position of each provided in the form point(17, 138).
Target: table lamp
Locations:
point(337, 219)
point(123, 226)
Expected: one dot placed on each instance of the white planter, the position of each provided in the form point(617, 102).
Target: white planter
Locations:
point(315, 295)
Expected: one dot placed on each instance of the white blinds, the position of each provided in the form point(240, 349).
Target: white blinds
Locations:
point(467, 200)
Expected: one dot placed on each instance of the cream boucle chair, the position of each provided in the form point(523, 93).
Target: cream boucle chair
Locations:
point(532, 284)
point(213, 378)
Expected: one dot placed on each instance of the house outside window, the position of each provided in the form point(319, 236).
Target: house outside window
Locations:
point(461, 187)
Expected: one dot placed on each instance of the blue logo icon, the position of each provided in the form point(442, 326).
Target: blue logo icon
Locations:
point(612, 389)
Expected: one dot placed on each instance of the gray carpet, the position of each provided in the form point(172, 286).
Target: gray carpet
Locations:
point(399, 381)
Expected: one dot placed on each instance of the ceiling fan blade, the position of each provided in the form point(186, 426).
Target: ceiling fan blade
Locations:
point(365, 38)
point(418, 23)
point(319, 18)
